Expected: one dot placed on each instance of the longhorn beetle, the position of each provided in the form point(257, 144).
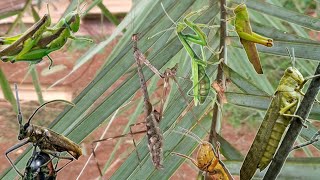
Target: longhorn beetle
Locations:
point(47, 140)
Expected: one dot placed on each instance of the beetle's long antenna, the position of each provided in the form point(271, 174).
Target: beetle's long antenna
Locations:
point(42, 105)
point(19, 117)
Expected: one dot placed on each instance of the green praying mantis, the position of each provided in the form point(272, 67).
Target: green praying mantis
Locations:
point(249, 38)
point(201, 81)
point(40, 39)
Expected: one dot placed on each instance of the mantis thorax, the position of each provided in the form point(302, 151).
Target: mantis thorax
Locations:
point(180, 27)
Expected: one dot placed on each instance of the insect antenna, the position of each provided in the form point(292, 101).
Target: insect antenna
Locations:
point(19, 116)
point(292, 56)
point(80, 12)
point(57, 100)
point(188, 133)
point(165, 30)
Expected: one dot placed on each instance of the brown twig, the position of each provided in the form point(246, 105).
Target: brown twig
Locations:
point(220, 79)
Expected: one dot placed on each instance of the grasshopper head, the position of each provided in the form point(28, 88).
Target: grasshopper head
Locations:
point(240, 8)
point(295, 75)
point(205, 156)
point(73, 21)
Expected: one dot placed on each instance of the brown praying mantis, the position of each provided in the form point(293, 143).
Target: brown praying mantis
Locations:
point(153, 116)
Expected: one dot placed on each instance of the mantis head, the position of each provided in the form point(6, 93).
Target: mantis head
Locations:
point(180, 26)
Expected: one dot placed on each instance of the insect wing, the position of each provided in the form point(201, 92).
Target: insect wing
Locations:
point(60, 143)
point(252, 53)
point(223, 171)
point(260, 142)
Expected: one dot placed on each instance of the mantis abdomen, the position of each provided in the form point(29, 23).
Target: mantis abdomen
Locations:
point(204, 84)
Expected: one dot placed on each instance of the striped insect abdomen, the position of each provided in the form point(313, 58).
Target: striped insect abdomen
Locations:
point(278, 129)
point(204, 84)
point(155, 139)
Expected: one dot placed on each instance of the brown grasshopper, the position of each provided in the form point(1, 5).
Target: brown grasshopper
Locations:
point(47, 140)
point(208, 158)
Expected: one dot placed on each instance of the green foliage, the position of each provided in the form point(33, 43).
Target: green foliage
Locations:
point(148, 18)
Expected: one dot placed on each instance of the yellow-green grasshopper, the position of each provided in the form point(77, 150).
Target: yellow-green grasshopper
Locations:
point(249, 38)
point(278, 116)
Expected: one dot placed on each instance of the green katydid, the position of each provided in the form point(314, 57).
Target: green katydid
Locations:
point(249, 38)
point(199, 76)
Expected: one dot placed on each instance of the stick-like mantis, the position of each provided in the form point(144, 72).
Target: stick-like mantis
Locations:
point(249, 38)
point(155, 152)
point(208, 159)
point(278, 116)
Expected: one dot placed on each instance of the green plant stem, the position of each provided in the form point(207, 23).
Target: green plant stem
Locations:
point(36, 83)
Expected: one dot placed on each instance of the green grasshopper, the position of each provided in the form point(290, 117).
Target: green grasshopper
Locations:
point(249, 38)
point(201, 82)
point(278, 116)
point(50, 40)
point(21, 44)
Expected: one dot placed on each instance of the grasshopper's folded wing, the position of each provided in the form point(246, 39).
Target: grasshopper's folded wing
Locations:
point(260, 142)
point(252, 53)
point(221, 168)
